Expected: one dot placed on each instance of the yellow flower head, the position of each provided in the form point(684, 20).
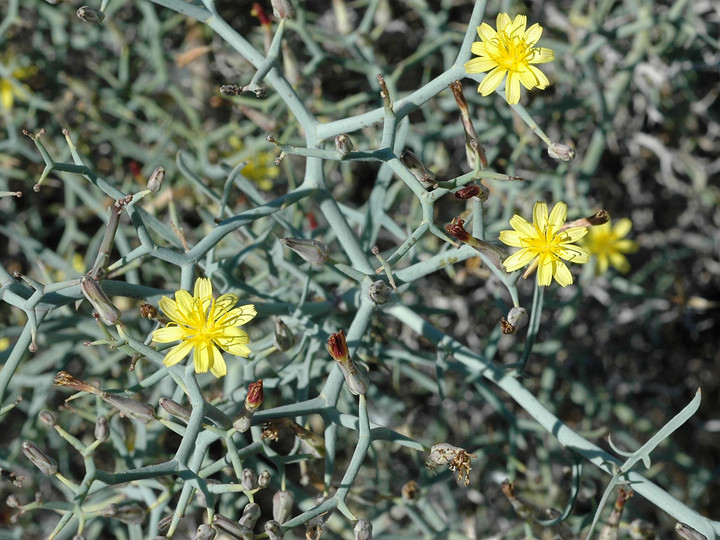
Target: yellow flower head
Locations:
point(509, 51)
point(544, 244)
point(607, 244)
point(203, 323)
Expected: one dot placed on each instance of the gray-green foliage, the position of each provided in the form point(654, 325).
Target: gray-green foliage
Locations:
point(439, 367)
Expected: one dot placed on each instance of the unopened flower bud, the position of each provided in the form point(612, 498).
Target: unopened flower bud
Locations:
point(250, 515)
point(284, 338)
point(516, 319)
point(264, 479)
point(12, 501)
point(410, 491)
point(312, 251)
point(232, 527)
point(132, 514)
point(47, 418)
point(105, 309)
point(337, 346)
point(255, 395)
point(91, 15)
point(156, 179)
point(343, 145)
point(283, 9)
point(79, 537)
point(42, 461)
point(249, 479)
point(283, 502)
point(102, 430)
point(479, 191)
point(174, 408)
point(130, 407)
point(417, 168)
point(379, 292)
point(110, 510)
point(312, 442)
point(561, 152)
point(163, 525)
point(205, 532)
point(494, 254)
point(363, 530)
point(274, 530)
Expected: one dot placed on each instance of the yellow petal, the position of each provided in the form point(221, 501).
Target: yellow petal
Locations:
point(502, 20)
point(168, 334)
point(540, 215)
point(169, 308)
point(491, 81)
point(517, 28)
point(242, 315)
point(622, 227)
point(479, 65)
point(532, 34)
point(486, 32)
point(202, 357)
point(626, 246)
point(218, 367)
point(184, 305)
point(521, 225)
point(541, 81)
point(562, 274)
point(7, 95)
point(203, 288)
point(545, 271)
point(512, 88)
point(573, 253)
point(177, 353)
point(541, 55)
point(511, 238)
point(518, 259)
point(573, 234)
point(222, 304)
point(557, 216)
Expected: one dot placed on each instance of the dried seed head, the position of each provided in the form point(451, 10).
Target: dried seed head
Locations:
point(148, 311)
point(283, 502)
point(40, 459)
point(362, 530)
point(456, 228)
point(478, 191)
point(561, 152)
point(156, 179)
point(343, 145)
point(91, 15)
point(517, 318)
point(410, 491)
point(102, 430)
point(379, 292)
point(105, 309)
point(312, 251)
point(47, 418)
point(312, 442)
point(250, 515)
point(130, 407)
point(271, 428)
point(457, 459)
point(284, 338)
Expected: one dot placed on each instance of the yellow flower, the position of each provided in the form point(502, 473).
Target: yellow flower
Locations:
point(509, 51)
point(10, 85)
point(260, 167)
point(607, 244)
point(544, 244)
point(204, 324)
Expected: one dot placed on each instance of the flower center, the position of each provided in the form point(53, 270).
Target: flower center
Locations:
point(513, 51)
